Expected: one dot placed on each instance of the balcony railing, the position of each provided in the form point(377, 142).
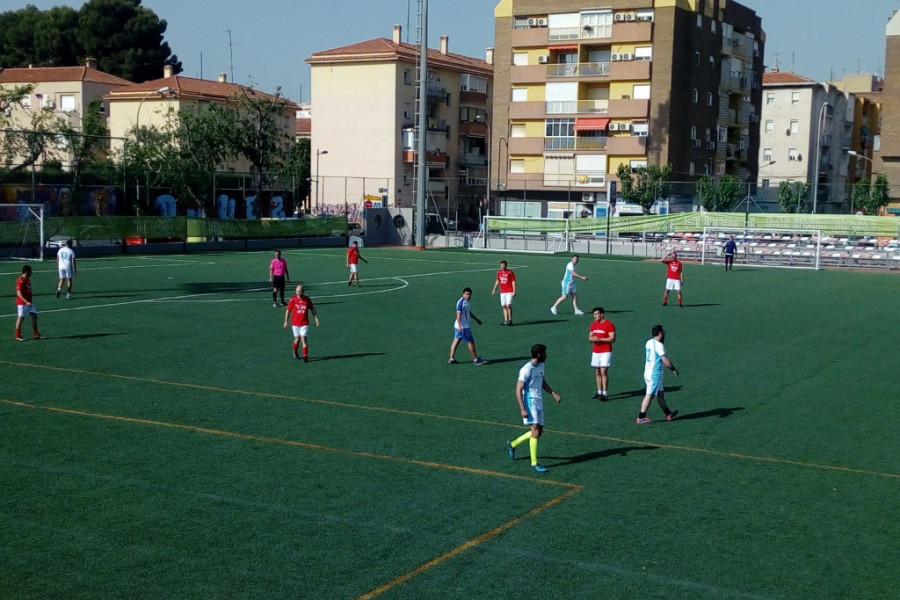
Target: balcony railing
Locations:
point(569, 107)
point(591, 143)
point(588, 69)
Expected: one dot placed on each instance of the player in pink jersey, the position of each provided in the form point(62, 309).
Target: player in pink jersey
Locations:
point(674, 276)
point(353, 258)
point(278, 275)
point(506, 281)
point(298, 310)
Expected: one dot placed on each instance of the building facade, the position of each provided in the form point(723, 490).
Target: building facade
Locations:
point(886, 153)
point(364, 125)
point(580, 91)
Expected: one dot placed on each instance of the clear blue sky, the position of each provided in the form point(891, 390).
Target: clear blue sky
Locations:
point(820, 39)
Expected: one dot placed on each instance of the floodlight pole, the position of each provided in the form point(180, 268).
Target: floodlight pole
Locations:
point(815, 184)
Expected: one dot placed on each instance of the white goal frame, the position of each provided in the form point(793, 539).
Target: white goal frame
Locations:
point(764, 247)
point(37, 211)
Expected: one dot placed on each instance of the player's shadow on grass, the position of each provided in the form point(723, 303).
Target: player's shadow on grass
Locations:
point(506, 360)
point(536, 322)
point(617, 312)
point(340, 356)
point(640, 392)
point(84, 336)
point(107, 296)
point(686, 305)
point(715, 412)
point(216, 287)
point(595, 455)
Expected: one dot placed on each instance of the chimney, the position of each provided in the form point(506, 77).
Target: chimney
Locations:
point(489, 56)
point(445, 41)
point(398, 30)
point(90, 62)
point(167, 71)
point(223, 78)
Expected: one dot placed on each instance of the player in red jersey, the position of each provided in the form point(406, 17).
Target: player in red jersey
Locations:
point(602, 334)
point(674, 276)
point(298, 310)
point(506, 280)
point(24, 305)
point(353, 258)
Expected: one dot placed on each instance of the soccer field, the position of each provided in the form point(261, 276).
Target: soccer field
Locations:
point(162, 442)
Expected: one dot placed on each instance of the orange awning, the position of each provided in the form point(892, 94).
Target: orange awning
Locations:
point(590, 124)
point(564, 47)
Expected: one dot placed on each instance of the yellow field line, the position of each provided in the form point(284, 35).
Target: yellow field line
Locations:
point(397, 411)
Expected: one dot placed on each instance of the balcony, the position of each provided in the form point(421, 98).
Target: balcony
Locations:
point(471, 97)
point(437, 91)
point(626, 108)
point(524, 146)
point(590, 178)
point(632, 31)
point(433, 158)
point(630, 70)
point(472, 128)
point(627, 145)
point(531, 37)
point(521, 74)
point(588, 69)
point(472, 159)
point(527, 110)
point(573, 107)
point(591, 143)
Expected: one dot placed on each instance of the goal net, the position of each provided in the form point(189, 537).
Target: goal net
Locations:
point(787, 248)
point(523, 234)
point(22, 231)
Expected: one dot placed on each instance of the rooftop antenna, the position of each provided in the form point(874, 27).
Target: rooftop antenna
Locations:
point(408, 2)
point(201, 65)
point(793, 63)
point(230, 56)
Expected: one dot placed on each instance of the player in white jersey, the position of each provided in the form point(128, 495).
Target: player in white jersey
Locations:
point(568, 286)
point(654, 360)
point(65, 260)
point(529, 387)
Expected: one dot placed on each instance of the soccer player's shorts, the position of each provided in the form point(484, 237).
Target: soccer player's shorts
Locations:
point(600, 360)
point(465, 335)
point(353, 267)
point(535, 412)
point(26, 309)
point(278, 282)
point(568, 289)
point(506, 298)
point(300, 330)
point(673, 284)
point(65, 273)
point(654, 385)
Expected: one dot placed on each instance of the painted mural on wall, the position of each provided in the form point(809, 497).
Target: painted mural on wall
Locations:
point(58, 201)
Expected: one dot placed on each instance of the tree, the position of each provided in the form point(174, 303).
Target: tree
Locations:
point(24, 144)
point(202, 138)
point(295, 172)
point(85, 144)
point(871, 196)
point(792, 196)
point(644, 185)
point(125, 38)
point(860, 194)
point(720, 194)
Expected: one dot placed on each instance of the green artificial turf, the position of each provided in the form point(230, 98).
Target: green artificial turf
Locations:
point(162, 442)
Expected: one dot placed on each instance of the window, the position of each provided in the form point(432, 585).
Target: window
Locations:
point(641, 92)
point(795, 126)
point(596, 24)
point(699, 21)
point(516, 165)
point(712, 61)
point(643, 52)
point(471, 114)
point(693, 132)
point(520, 95)
point(559, 134)
point(770, 126)
point(637, 164)
point(407, 77)
point(709, 99)
point(795, 97)
point(590, 169)
point(559, 169)
point(708, 135)
point(640, 128)
point(517, 130)
point(520, 59)
point(712, 25)
point(697, 59)
point(792, 154)
point(695, 95)
point(765, 184)
point(770, 98)
point(26, 101)
point(691, 168)
point(472, 83)
point(767, 155)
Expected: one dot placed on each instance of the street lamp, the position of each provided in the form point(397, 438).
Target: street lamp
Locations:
point(487, 185)
point(871, 162)
point(318, 154)
point(815, 184)
point(163, 91)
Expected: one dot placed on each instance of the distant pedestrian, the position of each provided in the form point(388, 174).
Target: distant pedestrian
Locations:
point(654, 360)
point(353, 258)
point(568, 286)
point(602, 334)
point(529, 387)
point(65, 262)
point(462, 331)
point(24, 305)
point(506, 281)
point(674, 276)
point(729, 250)
point(278, 275)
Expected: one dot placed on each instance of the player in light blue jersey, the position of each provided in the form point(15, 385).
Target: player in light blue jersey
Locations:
point(529, 387)
point(654, 360)
point(568, 286)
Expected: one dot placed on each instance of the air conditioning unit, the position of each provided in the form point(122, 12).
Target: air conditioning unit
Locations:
point(627, 56)
point(787, 132)
point(543, 59)
point(615, 56)
point(624, 126)
point(7, 111)
point(613, 126)
point(587, 196)
point(619, 17)
point(695, 143)
point(630, 17)
point(542, 22)
point(532, 22)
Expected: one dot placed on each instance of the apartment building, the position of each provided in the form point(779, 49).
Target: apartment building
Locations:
point(887, 146)
point(807, 128)
point(157, 103)
point(581, 90)
point(364, 132)
point(66, 91)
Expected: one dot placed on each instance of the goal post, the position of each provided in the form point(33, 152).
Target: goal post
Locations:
point(764, 247)
point(22, 235)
